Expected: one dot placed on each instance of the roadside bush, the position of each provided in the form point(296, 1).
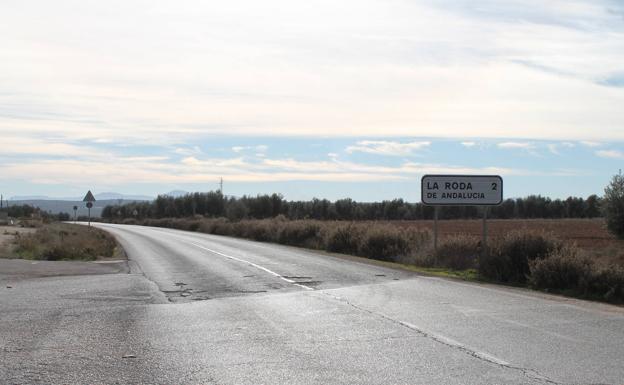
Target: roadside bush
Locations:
point(457, 252)
point(385, 243)
point(344, 239)
point(301, 233)
point(607, 284)
point(508, 260)
point(563, 269)
point(219, 226)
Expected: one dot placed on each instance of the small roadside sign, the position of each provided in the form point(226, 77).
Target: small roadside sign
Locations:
point(89, 197)
point(462, 190)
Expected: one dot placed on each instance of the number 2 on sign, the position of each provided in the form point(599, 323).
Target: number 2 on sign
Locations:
point(494, 185)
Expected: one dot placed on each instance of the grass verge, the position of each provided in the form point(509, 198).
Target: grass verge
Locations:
point(62, 242)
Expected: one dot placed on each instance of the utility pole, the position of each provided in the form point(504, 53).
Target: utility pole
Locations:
point(221, 186)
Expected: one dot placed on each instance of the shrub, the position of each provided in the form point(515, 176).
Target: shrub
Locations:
point(607, 284)
point(262, 231)
point(344, 239)
point(563, 269)
point(385, 243)
point(301, 233)
point(457, 252)
point(508, 260)
point(613, 205)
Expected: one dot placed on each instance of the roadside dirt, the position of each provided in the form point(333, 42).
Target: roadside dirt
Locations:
point(16, 269)
point(7, 233)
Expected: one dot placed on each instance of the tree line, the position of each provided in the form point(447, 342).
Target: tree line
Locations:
point(213, 204)
point(19, 211)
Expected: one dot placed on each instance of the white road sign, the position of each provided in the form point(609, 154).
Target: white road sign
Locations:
point(463, 190)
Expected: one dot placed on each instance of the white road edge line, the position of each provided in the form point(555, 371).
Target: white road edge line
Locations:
point(451, 342)
point(254, 265)
point(241, 260)
point(238, 260)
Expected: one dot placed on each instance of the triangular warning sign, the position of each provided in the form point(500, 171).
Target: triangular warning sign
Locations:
point(89, 197)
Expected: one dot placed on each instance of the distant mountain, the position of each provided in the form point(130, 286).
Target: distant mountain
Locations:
point(65, 206)
point(98, 197)
point(177, 193)
point(114, 195)
point(31, 197)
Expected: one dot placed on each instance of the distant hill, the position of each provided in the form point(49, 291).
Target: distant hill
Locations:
point(66, 205)
point(177, 193)
point(100, 196)
point(55, 206)
point(114, 195)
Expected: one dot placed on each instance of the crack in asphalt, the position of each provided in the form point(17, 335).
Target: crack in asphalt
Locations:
point(529, 373)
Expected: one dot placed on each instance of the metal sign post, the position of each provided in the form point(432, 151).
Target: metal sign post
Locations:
point(75, 212)
point(89, 198)
point(436, 210)
point(485, 232)
point(461, 190)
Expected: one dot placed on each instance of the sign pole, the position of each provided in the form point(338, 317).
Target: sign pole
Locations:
point(485, 232)
point(435, 228)
point(89, 198)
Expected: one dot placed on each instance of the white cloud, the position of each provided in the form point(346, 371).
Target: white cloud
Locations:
point(362, 68)
point(469, 144)
point(188, 151)
point(587, 143)
point(149, 169)
point(260, 148)
point(520, 145)
point(16, 145)
point(380, 147)
point(611, 154)
point(555, 147)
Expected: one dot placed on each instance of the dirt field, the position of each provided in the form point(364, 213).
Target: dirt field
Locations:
point(589, 234)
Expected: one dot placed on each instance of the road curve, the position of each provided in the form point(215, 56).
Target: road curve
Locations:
point(204, 309)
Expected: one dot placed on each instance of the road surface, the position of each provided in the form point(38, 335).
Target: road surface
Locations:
point(202, 309)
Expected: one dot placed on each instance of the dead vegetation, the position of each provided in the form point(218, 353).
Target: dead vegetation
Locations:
point(60, 241)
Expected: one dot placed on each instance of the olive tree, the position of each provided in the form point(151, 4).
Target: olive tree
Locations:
point(613, 205)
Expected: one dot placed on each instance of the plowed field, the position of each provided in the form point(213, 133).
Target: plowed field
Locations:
point(589, 234)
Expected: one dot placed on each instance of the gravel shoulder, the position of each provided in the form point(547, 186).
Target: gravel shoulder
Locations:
point(18, 269)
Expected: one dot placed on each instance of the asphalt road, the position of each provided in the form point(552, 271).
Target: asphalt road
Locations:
point(201, 309)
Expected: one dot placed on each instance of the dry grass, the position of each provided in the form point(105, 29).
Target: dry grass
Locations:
point(60, 241)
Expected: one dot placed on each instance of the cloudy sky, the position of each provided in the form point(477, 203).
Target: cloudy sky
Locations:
point(309, 98)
